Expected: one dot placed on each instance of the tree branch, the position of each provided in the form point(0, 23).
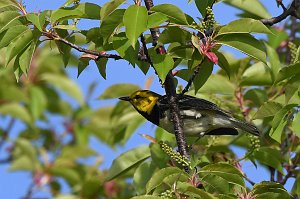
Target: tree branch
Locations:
point(101, 54)
point(7, 131)
point(196, 71)
point(172, 96)
point(291, 11)
point(6, 160)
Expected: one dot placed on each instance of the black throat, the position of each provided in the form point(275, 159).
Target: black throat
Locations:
point(153, 116)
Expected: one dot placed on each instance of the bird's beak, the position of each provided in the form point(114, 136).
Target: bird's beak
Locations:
point(126, 98)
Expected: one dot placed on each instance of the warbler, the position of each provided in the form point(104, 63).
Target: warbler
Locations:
point(200, 117)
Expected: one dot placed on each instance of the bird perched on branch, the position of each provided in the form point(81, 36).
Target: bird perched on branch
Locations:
point(200, 117)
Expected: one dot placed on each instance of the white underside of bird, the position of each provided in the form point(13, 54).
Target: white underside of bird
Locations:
point(197, 124)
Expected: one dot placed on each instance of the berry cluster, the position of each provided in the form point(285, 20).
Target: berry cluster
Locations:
point(168, 194)
point(183, 161)
point(293, 50)
point(209, 21)
point(254, 142)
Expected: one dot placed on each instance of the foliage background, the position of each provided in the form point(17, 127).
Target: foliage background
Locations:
point(223, 13)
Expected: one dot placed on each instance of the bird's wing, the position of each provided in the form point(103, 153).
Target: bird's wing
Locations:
point(188, 102)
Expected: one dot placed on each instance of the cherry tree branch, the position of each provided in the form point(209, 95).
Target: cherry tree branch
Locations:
point(7, 131)
point(291, 11)
point(171, 95)
point(101, 54)
point(196, 71)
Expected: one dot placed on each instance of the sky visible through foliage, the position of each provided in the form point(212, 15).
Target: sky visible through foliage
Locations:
point(117, 72)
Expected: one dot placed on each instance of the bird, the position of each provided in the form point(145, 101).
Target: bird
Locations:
point(200, 117)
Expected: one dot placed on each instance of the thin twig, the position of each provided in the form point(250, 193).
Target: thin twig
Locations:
point(146, 51)
point(171, 96)
point(291, 11)
point(281, 5)
point(6, 160)
point(249, 180)
point(196, 71)
point(29, 191)
point(54, 36)
point(7, 131)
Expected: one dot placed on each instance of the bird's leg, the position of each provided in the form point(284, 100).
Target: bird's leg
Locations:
point(201, 135)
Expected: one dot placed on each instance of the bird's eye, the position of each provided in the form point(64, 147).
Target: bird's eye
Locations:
point(138, 97)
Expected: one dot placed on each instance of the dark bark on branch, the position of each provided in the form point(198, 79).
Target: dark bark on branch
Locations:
point(291, 11)
point(172, 96)
point(196, 71)
point(55, 37)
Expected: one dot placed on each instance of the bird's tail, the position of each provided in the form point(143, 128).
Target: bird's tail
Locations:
point(250, 128)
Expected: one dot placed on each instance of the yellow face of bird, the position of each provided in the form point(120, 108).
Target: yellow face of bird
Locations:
point(144, 100)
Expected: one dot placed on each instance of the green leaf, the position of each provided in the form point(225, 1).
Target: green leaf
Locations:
point(174, 13)
point(11, 4)
point(162, 63)
point(75, 152)
point(223, 63)
point(187, 188)
point(110, 23)
point(296, 124)
point(68, 2)
point(254, 7)
point(268, 109)
point(158, 177)
point(205, 71)
point(83, 10)
point(101, 65)
point(256, 96)
point(71, 175)
point(135, 20)
point(215, 184)
point(276, 133)
point(259, 74)
point(226, 171)
point(146, 197)
point(82, 64)
point(297, 58)
point(65, 84)
point(174, 34)
point(26, 57)
point(127, 161)
point(7, 36)
point(274, 61)
point(202, 5)
point(18, 44)
point(217, 84)
point(278, 36)
point(24, 156)
point(265, 190)
point(245, 43)
point(17, 70)
point(180, 51)
point(141, 176)
point(38, 20)
point(280, 115)
point(16, 111)
point(110, 7)
point(156, 19)
point(119, 90)
point(37, 103)
point(245, 25)
point(158, 156)
point(9, 19)
point(270, 157)
point(288, 72)
point(91, 187)
point(292, 86)
point(66, 27)
point(124, 47)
